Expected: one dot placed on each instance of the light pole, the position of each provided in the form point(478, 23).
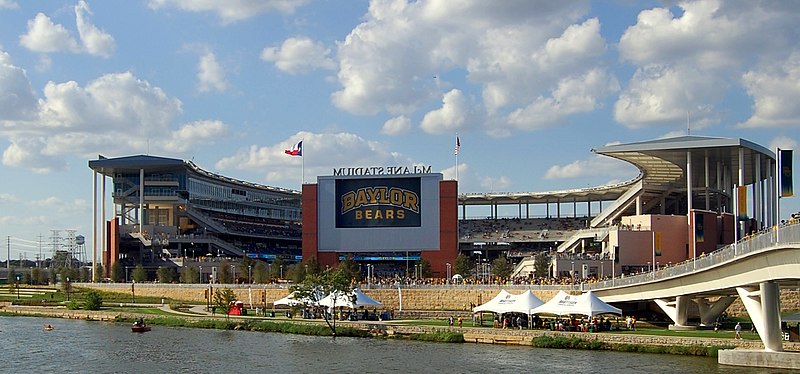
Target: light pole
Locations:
point(448, 273)
point(67, 286)
point(201, 273)
point(17, 286)
point(573, 271)
point(281, 271)
point(249, 274)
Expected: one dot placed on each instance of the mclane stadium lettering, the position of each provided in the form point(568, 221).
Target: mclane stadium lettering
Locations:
point(381, 170)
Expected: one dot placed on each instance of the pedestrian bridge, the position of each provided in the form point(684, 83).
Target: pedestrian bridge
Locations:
point(753, 269)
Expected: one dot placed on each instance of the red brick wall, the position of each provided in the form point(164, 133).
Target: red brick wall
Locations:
point(448, 230)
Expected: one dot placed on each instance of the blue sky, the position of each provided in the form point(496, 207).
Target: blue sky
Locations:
point(529, 87)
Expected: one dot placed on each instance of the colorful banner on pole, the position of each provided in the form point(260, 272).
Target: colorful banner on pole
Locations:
point(786, 173)
point(699, 233)
point(741, 193)
point(657, 244)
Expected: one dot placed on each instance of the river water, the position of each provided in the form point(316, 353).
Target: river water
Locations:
point(101, 347)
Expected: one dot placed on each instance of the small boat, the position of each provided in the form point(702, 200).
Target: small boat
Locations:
point(48, 328)
point(140, 326)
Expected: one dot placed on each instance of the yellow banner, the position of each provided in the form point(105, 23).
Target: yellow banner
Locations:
point(742, 202)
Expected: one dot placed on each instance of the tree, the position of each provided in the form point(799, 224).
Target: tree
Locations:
point(260, 272)
point(223, 299)
point(541, 265)
point(246, 268)
point(165, 274)
point(425, 267)
point(83, 274)
point(463, 266)
point(139, 274)
point(351, 269)
point(93, 300)
point(99, 273)
point(313, 266)
point(501, 268)
point(117, 272)
point(224, 273)
point(298, 273)
point(277, 267)
point(190, 274)
point(315, 287)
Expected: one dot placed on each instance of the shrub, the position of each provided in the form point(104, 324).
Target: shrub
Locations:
point(93, 300)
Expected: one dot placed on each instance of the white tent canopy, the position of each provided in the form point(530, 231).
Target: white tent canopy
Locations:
point(346, 300)
point(288, 300)
point(587, 304)
point(506, 302)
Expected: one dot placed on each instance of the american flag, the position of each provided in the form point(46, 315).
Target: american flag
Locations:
point(458, 145)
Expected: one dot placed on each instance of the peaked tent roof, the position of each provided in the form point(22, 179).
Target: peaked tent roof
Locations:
point(345, 300)
point(587, 304)
point(506, 302)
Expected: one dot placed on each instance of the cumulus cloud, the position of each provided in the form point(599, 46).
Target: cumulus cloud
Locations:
point(45, 36)
point(299, 55)
point(231, 10)
point(783, 142)
point(512, 52)
point(192, 134)
point(455, 114)
point(597, 166)
point(686, 62)
point(210, 74)
point(95, 41)
point(396, 126)
point(322, 153)
point(17, 99)
point(775, 94)
point(114, 114)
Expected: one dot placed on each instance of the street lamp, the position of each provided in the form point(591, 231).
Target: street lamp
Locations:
point(573, 271)
point(448, 273)
point(233, 270)
point(201, 273)
point(281, 271)
point(249, 274)
point(17, 286)
point(67, 287)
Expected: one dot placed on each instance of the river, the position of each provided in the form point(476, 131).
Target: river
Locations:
point(101, 347)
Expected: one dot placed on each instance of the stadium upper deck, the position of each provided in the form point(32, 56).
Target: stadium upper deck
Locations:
point(166, 208)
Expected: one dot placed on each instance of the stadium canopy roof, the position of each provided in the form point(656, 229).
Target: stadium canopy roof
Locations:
point(662, 163)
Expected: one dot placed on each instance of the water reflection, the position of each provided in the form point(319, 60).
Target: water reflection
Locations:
point(80, 346)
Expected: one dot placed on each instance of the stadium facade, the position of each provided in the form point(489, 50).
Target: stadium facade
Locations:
point(692, 195)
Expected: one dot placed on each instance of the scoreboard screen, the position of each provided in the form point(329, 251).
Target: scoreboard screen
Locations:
point(378, 212)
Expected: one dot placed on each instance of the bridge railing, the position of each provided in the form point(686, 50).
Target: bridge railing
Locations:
point(769, 238)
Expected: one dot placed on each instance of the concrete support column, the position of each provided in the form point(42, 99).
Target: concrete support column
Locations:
point(639, 205)
point(94, 225)
point(710, 311)
point(707, 183)
point(677, 310)
point(763, 306)
point(758, 199)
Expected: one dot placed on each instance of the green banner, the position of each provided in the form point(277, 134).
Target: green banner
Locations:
point(786, 173)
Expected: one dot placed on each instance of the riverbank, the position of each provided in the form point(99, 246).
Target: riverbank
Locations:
point(398, 329)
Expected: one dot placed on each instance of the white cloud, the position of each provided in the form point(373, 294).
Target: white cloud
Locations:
point(663, 96)
point(783, 142)
point(231, 10)
point(322, 153)
point(210, 74)
point(95, 41)
point(495, 184)
point(573, 95)
point(17, 100)
point(7, 198)
point(195, 133)
point(299, 55)
point(775, 92)
point(114, 114)
point(597, 166)
point(45, 36)
point(514, 53)
point(8, 4)
point(455, 114)
point(396, 126)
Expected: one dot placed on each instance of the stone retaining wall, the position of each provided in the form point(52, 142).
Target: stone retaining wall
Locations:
point(417, 299)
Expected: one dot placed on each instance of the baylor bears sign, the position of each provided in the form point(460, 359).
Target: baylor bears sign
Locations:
point(383, 202)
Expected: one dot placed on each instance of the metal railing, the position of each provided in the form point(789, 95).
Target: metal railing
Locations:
point(768, 239)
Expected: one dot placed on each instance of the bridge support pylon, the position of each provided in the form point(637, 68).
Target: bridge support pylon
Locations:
point(709, 311)
point(763, 306)
point(677, 310)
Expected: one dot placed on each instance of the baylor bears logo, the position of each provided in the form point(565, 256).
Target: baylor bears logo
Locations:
point(385, 202)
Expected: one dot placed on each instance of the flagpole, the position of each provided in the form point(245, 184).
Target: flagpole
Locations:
point(302, 169)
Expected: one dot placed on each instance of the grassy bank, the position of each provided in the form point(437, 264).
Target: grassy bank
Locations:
point(558, 342)
point(261, 326)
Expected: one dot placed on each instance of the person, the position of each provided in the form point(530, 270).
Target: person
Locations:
point(450, 321)
point(460, 321)
point(738, 330)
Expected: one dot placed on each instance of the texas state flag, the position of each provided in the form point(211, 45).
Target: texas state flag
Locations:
point(297, 150)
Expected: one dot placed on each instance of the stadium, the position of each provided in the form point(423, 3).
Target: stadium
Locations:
point(692, 195)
